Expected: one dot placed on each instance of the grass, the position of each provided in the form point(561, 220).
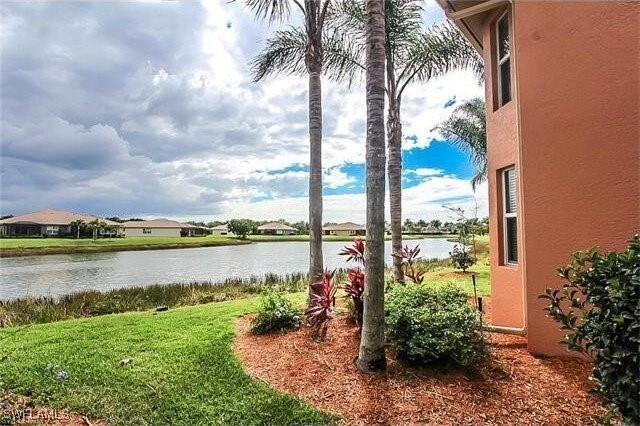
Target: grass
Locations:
point(441, 271)
point(36, 246)
point(32, 310)
point(183, 369)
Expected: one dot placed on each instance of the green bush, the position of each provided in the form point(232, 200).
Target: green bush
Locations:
point(461, 258)
point(432, 324)
point(275, 313)
point(599, 307)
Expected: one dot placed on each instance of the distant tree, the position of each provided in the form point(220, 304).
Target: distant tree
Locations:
point(435, 224)
point(241, 227)
point(421, 223)
point(77, 224)
point(302, 227)
point(115, 219)
point(95, 226)
point(6, 216)
point(134, 219)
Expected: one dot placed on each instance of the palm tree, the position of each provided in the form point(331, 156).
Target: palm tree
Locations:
point(467, 128)
point(299, 51)
point(371, 356)
point(77, 224)
point(412, 55)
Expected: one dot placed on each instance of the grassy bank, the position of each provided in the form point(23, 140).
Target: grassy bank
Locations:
point(93, 303)
point(182, 369)
point(36, 246)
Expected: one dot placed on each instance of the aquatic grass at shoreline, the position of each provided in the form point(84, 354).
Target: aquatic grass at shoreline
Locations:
point(34, 310)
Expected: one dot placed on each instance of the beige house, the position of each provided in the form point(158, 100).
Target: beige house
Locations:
point(276, 228)
point(157, 228)
point(51, 223)
point(220, 230)
point(347, 228)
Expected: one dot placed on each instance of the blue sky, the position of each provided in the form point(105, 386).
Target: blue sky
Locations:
point(148, 109)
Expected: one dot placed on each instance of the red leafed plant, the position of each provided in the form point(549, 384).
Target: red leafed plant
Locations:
point(355, 276)
point(409, 257)
point(322, 304)
point(355, 289)
point(355, 252)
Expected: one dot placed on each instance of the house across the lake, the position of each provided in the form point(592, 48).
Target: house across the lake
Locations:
point(160, 228)
point(220, 229)
point(50, 223)
point(346, 228)
point(276, 228)
point(562, 110)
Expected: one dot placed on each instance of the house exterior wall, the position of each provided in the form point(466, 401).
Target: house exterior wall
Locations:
point(572, 131)
point(155, 232)
point(578, 86)
point(347, 232)
point(502, 152)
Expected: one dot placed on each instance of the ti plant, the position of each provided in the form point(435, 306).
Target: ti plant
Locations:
point(409, 257)
point(355, 276)
point(323, 302)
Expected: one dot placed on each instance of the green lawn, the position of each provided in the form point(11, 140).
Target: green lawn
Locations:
point(25, 246)
point(183, 369)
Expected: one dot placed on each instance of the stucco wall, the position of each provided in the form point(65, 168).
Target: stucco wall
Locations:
point(502, 144)
point(155, 232)
point(578, 70)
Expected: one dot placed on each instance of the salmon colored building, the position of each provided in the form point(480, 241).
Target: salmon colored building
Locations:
point(563, 140)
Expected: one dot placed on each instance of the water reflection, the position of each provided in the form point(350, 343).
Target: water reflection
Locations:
point(55, 275)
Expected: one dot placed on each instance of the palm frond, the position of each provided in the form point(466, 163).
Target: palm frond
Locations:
point(273, 10)
point(436, 52)
point(343, 57)
point(284, 53)
point(466, 128)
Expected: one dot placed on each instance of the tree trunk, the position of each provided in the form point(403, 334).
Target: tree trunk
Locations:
point(394, 171)
point(315, 171)
point(372, 355)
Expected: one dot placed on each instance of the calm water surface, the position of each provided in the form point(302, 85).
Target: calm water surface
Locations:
point(55, 275)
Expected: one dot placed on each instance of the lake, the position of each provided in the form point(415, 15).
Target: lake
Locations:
point(56, 275)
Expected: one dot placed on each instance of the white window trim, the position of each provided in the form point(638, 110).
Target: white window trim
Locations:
point(500, 61)
point(505, 216)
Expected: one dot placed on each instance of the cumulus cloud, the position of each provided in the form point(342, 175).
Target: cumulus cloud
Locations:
point(148, 108)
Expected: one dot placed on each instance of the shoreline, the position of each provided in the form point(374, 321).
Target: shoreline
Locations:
point(50, 250)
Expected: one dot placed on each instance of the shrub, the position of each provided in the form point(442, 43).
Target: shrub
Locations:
point(432, 325)
point(598, 305)
point(461, 258)
point(275, 313)
point(240, 227)
point(323, 302)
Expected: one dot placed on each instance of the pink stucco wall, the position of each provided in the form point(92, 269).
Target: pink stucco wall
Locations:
point(502, 150)
point(578, 69)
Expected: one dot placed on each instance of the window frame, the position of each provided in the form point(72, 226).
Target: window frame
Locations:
point(509, 215)
point(146, 231)
point(500, 61)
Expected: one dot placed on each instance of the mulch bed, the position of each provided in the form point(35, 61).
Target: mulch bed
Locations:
point(511, 387)
point(20, 410)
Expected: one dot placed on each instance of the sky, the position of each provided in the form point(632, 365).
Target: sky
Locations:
point(148, 109)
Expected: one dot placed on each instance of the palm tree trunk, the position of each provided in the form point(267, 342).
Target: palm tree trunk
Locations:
point(372, 355)
point(315, 176)
point(394, 172)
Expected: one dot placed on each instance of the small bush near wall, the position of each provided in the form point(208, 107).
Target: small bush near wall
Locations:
point(432, 324)
point(599, 307)
point(275, 313)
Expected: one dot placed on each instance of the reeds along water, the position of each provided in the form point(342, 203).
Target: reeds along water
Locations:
point(31, 310)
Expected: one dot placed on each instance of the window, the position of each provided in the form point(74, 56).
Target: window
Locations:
point(146, 230)
point(503, 55)
point(510, 215)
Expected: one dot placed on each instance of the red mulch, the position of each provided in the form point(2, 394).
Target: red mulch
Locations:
point(20, 410)
point(511, 388)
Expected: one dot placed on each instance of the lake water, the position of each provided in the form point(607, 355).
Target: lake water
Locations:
point(55, 275)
